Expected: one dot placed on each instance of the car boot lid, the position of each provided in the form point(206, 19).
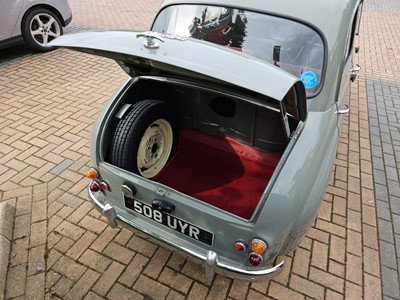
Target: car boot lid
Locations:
point(150, 53)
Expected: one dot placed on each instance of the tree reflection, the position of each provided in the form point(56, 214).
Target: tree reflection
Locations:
point(239, 31)
point(227, 28)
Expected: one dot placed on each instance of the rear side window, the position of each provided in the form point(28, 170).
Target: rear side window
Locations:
point(292, 46)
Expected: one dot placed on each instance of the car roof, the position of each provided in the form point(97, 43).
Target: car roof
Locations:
point(331, 17)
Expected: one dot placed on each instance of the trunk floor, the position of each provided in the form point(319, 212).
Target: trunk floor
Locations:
point(219, 171)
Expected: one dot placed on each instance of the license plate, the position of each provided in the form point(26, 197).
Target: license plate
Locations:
point(171, 222)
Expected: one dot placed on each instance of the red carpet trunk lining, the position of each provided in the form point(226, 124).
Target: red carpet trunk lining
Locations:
point(219, 171)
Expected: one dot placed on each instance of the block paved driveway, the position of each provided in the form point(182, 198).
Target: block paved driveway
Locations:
point(62, 247)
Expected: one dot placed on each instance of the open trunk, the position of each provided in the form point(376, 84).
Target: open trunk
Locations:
point(235, 114)
point(229, 142)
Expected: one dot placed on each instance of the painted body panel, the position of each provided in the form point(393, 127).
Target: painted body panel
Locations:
point(295, 196)
point(287, 209)
point(61, 6)
point(190, 57)
point(13, 12)
point(10, 11)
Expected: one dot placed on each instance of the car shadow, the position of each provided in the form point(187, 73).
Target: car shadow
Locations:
point(15, 53)
point(21, 51)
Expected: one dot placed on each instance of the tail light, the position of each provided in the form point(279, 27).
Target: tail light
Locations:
point(255, 259)
point(92, 174)
point(94, 186)
point(240, 246)
point(104, 186)
point(258, 246)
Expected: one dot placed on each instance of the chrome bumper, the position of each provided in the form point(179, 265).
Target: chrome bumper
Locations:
point(210, 261)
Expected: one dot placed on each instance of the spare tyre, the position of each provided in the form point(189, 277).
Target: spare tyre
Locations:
point(145, 138)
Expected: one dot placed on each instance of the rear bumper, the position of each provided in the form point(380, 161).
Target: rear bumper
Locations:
point(209, 259)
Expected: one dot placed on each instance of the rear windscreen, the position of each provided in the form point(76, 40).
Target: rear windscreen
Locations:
point(289, 45)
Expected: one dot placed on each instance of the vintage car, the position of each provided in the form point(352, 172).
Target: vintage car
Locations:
point(220, 144)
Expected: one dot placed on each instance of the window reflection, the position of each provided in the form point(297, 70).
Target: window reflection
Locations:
point(292, 46)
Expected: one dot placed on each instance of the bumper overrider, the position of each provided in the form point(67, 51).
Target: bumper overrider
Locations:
point(209, 259)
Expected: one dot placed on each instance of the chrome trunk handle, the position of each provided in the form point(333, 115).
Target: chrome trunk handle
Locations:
point(354, 72)
point(343, 111)
point(356, 69)
point(150, 39)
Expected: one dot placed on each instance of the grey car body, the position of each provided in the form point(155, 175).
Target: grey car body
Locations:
point(17, 21)
point(264, 109)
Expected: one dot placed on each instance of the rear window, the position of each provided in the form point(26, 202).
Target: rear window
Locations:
point(292, 46)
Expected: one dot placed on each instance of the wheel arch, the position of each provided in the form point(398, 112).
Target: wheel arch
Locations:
point(41, 5)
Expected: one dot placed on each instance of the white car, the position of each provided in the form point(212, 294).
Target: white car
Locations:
point(37, 22)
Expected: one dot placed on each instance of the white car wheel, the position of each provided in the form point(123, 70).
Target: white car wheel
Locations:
point(154, 148)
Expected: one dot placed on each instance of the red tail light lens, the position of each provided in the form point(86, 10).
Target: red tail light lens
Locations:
point(255, 259)
point(94, 186)
point(240, 246)
point(104, 186)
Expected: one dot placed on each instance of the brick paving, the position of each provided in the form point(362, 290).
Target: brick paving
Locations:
point(383, 94)
point(62, 247)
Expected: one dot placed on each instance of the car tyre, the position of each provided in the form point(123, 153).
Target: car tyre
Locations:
point(39, 27)
point(145, 138)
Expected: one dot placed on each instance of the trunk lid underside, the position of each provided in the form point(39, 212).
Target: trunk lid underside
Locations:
point(191, 58)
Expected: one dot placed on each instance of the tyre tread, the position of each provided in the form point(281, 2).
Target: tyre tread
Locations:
point(125, 141)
